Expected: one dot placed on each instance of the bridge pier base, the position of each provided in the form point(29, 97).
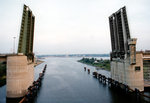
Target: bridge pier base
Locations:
point(129, 74)
point(20, 75)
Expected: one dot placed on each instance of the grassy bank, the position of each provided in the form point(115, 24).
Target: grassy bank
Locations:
point(2, 74)
point(38, 62)
point(98, 63)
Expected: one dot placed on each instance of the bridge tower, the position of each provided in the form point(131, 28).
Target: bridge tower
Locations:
point(25, 45)
point(20, 66)
point(126, 63)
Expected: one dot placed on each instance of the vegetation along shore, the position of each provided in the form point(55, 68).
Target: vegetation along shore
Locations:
point(98, 63)
point(2, 73)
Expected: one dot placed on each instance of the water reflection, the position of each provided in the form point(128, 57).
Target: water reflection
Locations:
point(3, 94)
point(13, 100)
point(66, 81)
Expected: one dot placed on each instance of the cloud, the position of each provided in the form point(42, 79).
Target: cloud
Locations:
point(74, 26)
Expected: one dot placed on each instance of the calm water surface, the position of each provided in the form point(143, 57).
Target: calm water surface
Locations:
point(3, 94)
point(65, 81)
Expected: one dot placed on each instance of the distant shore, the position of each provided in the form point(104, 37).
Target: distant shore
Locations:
point(74, 55)
point(99, 64)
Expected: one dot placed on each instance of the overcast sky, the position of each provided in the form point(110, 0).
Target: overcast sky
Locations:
point(73, 26)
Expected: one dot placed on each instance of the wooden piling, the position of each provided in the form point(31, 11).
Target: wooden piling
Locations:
point(84, 68)
point(88, 71)
point(120, 87)
point(95, 74)
point(32, 90)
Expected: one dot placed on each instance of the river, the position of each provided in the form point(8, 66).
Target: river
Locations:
point(65, 81)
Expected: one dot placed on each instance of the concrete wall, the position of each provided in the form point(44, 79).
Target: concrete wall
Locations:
point(20, 75)
point(2, 58)
point(122, 71)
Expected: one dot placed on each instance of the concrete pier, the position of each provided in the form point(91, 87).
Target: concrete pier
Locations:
point(131, 75)
point(20, 75)
point(126, 62)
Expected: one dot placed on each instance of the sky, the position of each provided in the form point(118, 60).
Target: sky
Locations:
point(72, 26)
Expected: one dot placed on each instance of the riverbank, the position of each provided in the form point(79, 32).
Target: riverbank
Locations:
point(38, 62)
point(98, 63)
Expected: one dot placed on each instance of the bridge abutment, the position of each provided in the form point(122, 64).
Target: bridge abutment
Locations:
point(131, 75)
point(20, 75)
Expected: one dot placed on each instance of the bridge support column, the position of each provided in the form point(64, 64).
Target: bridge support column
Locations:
point(20, 75)
point(131, 75)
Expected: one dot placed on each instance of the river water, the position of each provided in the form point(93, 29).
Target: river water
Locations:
point(65, 81)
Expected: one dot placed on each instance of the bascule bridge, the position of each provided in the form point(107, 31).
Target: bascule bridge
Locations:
point(126, 62)
point(20, 66)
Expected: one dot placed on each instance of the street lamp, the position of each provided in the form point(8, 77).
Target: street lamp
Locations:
point(14, 45)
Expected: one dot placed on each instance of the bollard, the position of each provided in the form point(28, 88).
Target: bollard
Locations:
point(95, 74)
point(109, 81)
point(126, 89)
point(137, 95)
point(88, 71)
point(84, 68)
point(104, 79)
point(113, 84)
point(41, 75)
point(100, 77)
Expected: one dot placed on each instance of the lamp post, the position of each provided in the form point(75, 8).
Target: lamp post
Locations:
point(14, 45)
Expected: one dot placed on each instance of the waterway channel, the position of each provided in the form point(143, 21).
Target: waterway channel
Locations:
point(65, 81)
